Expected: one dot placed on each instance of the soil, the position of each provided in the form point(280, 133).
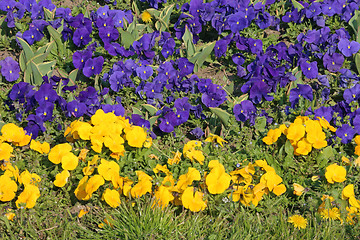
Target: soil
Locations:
point(4, 54)
point(216, 74)
point(73, 3)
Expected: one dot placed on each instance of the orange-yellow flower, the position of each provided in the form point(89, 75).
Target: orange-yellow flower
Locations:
point(28, 197)
point(163, 196)
point(14, 134)
point(295, 132)
point(146, 17)
point(215, 138)
point(5, 151)
point(112, 197)
point(298, 189)
point(217, 180)
point(8, 188)
point(58, 151)
point(40, 147)
point(93, 184)
point(272, 136)
point(61, 178)
point(27, 178)
point(335, 173)
point(187, 179)
point(193, 201)
point(108, 169)
point(136, 136)
point(69, 161)
point(176, 159)
point(298, 221)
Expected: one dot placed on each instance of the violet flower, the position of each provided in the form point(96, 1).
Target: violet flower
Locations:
point(10, 69)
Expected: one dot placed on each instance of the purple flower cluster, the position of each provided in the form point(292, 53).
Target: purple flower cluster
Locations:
point(39, 105)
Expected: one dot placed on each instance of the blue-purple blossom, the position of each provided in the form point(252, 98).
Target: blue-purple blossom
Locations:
point(93, 66)
point(10, 69)
point(301, 90)
point(245, 111)
point(346, 133)
point(348, 48)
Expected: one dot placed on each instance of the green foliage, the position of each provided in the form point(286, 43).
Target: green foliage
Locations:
point(32, 63)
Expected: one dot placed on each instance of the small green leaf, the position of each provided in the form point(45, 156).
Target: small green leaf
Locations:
point(126, 38)
point(289, 149)
point(188, 41)
point(152, 120)
point(137, 111)
point(357, 62)
point(151, 109)
point(56, 36)
point(325, 155)
point(201, 56)
point(73, 75)
point(260, 124)
point(46, 67)
point(49, 15)
point(22, 61)
point(36, 74)
point(354, 22)
point(153, 12)
point(223, 115)
point(297, 5)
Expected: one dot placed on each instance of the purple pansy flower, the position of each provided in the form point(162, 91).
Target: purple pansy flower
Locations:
point(93, 66)
point(346, 133)
point(10, 69)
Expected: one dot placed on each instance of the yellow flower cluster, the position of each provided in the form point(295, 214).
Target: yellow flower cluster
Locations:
point(335, 173)
point(10, 179)
point(353, 209)
point(248, 192)
point(192, 150)
point(109, 130)
point(357, 148)
point(303, 134)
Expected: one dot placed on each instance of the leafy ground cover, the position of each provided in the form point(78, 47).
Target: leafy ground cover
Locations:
point(179, 119)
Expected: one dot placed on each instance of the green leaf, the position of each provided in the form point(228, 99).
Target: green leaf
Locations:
point(49, 15)
point(298, 74)
point(22, 61)
point(297, 5)
point(188, 41)
point(163, 22)
point(135, 8)
point(260, 124)
point(354, 22)
point(289, 149)
point(230, 87)
point(152, 120)
point(357, 62)
point(46, 67)
point(325, 155)
point(151, 109)
point(40, 57)
point(153, 12)
point(73, 75)
point(223, 115)
point(56, 36)
point(28, 75)
point(126, 38)
point(36, 74)
point(29, 54)
point(243, 97)
point(200, 56)
point(137, 111)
